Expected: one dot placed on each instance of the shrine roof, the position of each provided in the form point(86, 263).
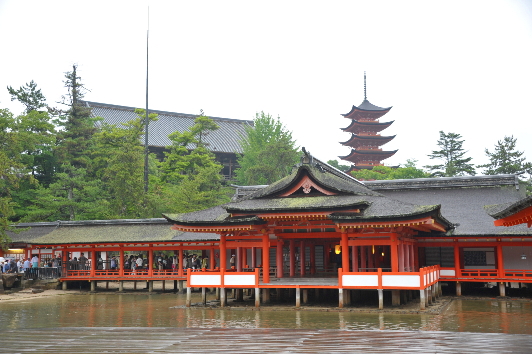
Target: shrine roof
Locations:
point(225, 139)
point(381, 139)
point(367, 106)
point(105, 231)
point(463, 200)
point(499, 211)
point(373, 124)
point(279, 197)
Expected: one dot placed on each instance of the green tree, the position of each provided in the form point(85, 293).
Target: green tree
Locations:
point(190, 178)
point(119, 164)
point(453, 156)
point(405, 171)
point(31, 97)
point(335, 163)
point(505, 159)
point(269, 152)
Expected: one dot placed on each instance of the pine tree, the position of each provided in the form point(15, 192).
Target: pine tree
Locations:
point(452, 154)
point(505, 159)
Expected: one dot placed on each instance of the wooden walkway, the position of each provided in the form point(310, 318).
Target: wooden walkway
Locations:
point(234, 340)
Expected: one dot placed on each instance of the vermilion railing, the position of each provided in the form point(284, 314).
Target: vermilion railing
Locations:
point(389, 280)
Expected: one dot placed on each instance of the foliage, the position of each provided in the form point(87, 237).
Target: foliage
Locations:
point(452, 154)
point(31, 97)
point(335, 163)
point(406, 171)
point(505, 159)
point(269, 152)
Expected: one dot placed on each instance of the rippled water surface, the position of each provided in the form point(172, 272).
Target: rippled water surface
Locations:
point(506, 321)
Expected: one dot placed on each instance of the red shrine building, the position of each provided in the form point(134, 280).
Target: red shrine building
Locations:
point(366, 142)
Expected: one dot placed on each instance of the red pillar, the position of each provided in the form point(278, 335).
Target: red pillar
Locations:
point(244, 257)
point(239, 259)
point(279, 258)
point(94, 262)
point(266, 258)
point(223, 253)
point(457, 271)
point(406, 251)
point(121, 261)
point(212, 263)
point(302, 258)
point(150, 261)
point(500, 262)
point(371, 260)
point(345, 252)
point(253, 257)
point(292, 258)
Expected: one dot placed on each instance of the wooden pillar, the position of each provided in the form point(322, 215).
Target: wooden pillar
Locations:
point(64, 285)
point(500, 262)
point(345, 251)
point(253, 257)
point(370, 259)
point(93, 285)
point(239, 259)
point(312, 249)
point(422, 299)
point(302, 258)
point(223, 252)
point(244, 255)
point(412, 255)
point(298, 297)
point(406, 251)
point(458, 288)
point(121, 262)
point(204, 296)
point(292, 258)
point(340, 298)
point(401, 256)
point(223, 297)
point(180, 262)
point(415, 255)
point(396, 297)
point(326, 256)
point(257, 297)
point(265, 257)
point(305, 296)
point(64, 263)
point(457, 272)
point(94, 263)
point(354, 258)
point(150, 286)
point(189, 296)
point(150, 262)
point(381, 299)
point(279, 258)
point(393, 254)
point(502, 289)
point(266, 295)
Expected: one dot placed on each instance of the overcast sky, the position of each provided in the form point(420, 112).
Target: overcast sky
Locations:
point(458, 66)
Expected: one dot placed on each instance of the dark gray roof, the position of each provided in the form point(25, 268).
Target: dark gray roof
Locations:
point(106, 231)
point(368, 106)
point(225, 139)
point(349, 194)
point(504, 210)
point(462, 199)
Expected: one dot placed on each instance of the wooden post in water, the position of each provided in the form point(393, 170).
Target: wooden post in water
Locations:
point(298, 297)
point(502, 289)
point(150, 286)
point(121, 285)
point(257, 297)
point(204, 295)
point(381, 299)
point(93, 285)
point(305, 296)
point(340, 298)
point(223, 298)
point(458, 288)
point(189, 296)
point(396, 297)
point(64, 285)
point(266, 295)
point(421, 299)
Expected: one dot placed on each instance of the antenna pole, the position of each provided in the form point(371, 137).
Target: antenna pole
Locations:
point(146, 121)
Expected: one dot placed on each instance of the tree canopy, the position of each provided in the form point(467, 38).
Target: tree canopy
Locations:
point(269, 152)
point(452, 154)
point(405, 171)
point(505, 159)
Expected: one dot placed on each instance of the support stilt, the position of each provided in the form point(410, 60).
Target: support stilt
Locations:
point(204, 296)
point(381, 299)
point(396, 297)
point(121, 285)
point(502, 289)
point(421, 299)
point(93, 285)
point(257, 297)
point(298, 297)
point(64, 285)
point(189, 297)
point(340, 298)
point(458, 288)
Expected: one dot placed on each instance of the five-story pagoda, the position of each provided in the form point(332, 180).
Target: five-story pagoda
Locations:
point(365, 141)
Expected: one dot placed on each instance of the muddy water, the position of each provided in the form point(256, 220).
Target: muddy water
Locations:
point(460, 328)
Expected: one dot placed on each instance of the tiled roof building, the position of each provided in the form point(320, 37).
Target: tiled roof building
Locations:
point(224, 142)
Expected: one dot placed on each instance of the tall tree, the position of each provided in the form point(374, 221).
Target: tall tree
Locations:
point(119, 163)
point(31, 97)
point(404, 171)
point(505, 159)
point(190, 177)
point(269, 152)
point(453, 156)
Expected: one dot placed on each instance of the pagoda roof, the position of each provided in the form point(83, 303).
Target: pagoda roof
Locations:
point(357, 155)
point(342, 200)
point(367, 107)
point(361, 140)
point(356, 126)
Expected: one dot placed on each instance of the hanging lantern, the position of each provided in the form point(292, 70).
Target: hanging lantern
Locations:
point(337, 249)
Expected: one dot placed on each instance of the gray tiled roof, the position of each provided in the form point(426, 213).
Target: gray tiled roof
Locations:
point(105, 231)
point(225, 139)
point(504, 210)
point(462, 199)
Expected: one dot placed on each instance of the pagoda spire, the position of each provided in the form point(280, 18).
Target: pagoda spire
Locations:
point(365, 97)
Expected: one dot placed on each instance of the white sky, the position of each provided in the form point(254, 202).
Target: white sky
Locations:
point(457, 66)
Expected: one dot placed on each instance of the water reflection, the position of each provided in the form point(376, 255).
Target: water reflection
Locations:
point(168, 310)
